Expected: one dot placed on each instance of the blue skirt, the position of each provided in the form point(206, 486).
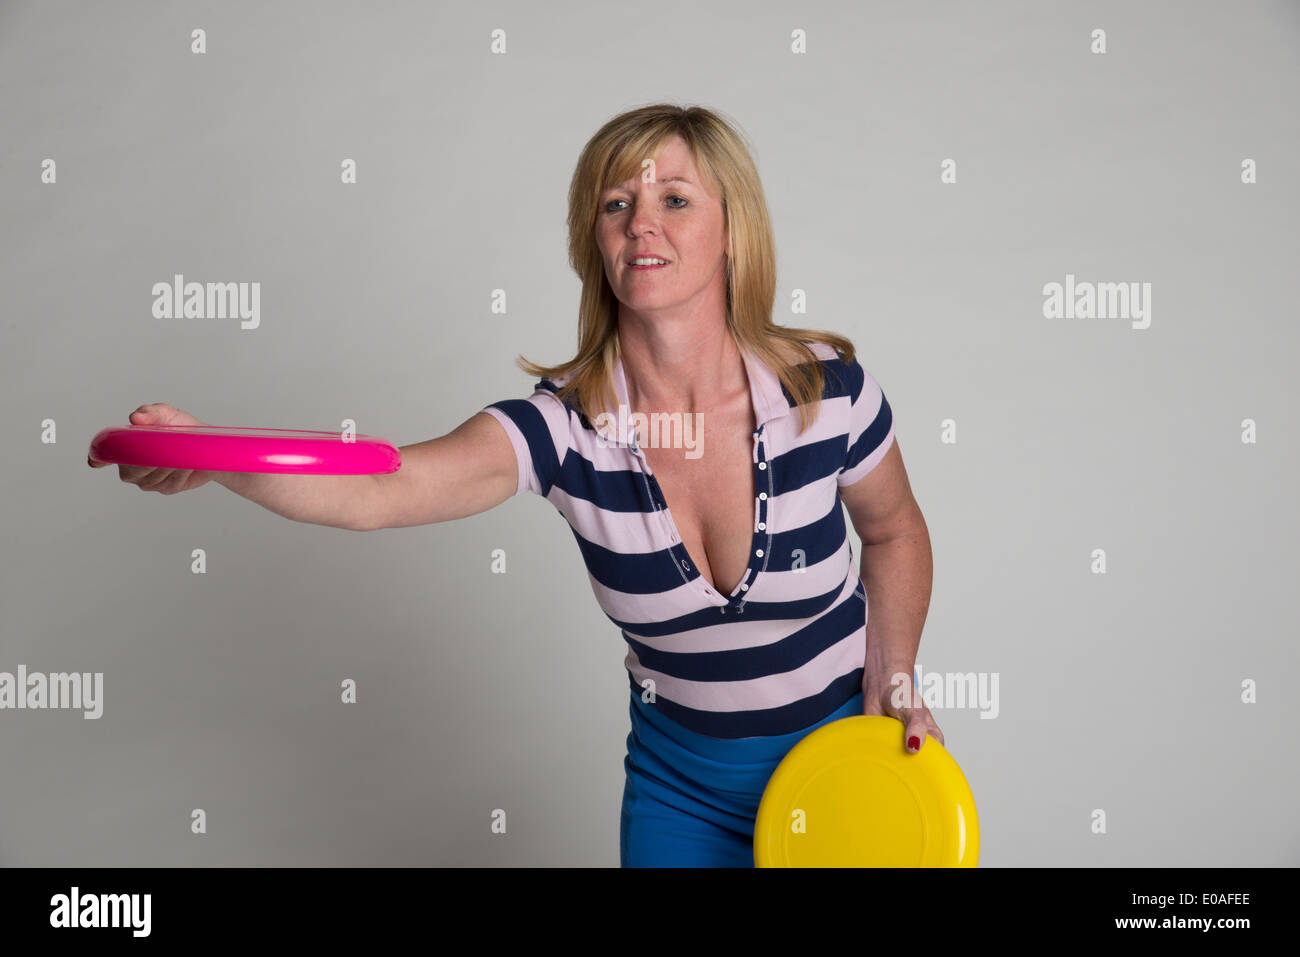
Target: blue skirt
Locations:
point(689, 800)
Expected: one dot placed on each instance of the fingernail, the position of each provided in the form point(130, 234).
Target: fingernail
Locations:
point(914, 743)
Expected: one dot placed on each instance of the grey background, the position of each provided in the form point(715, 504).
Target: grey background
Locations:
point(481, 691)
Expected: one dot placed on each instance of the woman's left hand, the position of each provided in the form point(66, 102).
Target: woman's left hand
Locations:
point(893, 692)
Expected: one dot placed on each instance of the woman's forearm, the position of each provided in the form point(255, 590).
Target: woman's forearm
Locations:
point(339, 501)
point(897, 575)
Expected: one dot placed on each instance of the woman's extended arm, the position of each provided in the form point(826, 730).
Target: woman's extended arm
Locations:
point(464, 472)
point(469, 470)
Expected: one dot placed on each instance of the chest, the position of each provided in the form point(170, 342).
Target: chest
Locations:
point(711, 498)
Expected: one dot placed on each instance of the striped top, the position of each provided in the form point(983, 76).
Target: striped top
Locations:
point(788, 645)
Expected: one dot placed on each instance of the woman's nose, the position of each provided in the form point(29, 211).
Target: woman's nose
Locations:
point(643, 218)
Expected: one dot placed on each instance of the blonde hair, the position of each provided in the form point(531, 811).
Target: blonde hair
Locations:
point(613, 155)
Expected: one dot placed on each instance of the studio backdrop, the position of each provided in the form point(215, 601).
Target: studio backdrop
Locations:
point(1061, 236)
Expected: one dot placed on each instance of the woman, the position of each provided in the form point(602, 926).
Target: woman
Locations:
point(720, 551)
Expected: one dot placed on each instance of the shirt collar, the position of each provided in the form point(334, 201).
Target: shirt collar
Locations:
point(764, 391)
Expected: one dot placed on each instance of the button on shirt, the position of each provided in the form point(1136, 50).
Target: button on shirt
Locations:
point(788, 645)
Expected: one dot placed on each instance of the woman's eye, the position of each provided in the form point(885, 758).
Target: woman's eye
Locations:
point(613, 201)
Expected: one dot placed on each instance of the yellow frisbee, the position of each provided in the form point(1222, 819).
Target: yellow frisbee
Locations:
point(850, 795)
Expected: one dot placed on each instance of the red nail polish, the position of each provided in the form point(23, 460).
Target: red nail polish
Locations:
point(914, 743)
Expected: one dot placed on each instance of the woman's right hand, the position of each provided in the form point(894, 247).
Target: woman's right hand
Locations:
point(166, 481)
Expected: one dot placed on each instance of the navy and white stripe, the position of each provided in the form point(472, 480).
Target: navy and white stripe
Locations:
point(788, 645)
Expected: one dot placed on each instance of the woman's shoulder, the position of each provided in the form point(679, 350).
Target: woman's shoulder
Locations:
point(547, 390)
point(549, 386)
point(841, 376)
point(822, 350)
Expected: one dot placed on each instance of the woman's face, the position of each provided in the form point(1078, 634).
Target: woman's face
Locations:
point(674, 218)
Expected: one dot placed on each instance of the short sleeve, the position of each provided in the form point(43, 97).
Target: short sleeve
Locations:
point(869, 428)
point(538, 428)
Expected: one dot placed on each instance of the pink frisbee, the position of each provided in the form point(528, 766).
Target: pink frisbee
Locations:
point(229, 448)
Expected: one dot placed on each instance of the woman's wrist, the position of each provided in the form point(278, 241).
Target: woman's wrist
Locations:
point(883, 671)
point(887, 679)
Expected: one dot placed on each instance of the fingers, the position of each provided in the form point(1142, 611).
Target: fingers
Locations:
point(143, 476)
point(179, 482)
point(160, 413)
point(166, 481)
point(151, 414)
point(915, 730)
point(918, 722)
